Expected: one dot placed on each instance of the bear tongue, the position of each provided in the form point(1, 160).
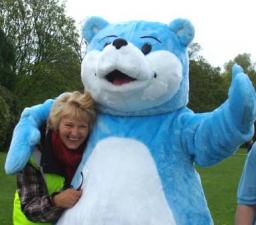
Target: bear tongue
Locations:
point(121, 81)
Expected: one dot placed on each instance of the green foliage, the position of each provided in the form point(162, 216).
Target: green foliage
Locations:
point(193, 51)
point(8, 116)
point(40, 31)
point(49, 82)
point(207, 87)
point(245, 61)
point(7, 76)
point(48, 58)
point(5, 119)
point(7, 82)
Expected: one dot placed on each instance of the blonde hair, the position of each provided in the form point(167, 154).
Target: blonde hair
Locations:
point(74, 104)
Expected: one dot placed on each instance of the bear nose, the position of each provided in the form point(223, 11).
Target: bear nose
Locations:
point(119, 43)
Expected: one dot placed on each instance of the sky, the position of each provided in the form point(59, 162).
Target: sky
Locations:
point(223, 28)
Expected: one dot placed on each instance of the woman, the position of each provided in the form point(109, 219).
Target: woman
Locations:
point(43, 186)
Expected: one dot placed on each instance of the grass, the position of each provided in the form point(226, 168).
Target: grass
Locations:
point(220, 184)
point(7, 187)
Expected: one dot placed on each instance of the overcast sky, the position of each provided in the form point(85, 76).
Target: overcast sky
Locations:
point(223, 28)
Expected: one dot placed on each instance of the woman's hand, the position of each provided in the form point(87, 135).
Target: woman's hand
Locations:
point(67, 198)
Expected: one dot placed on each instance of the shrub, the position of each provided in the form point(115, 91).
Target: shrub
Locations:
point(5, 122)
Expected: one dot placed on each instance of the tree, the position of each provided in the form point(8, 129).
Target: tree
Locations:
point(7, 57)
point(8, 116)
point(39, 29)
point(46, 46)
point(194, 50)
point(207, 90)
point(244, 60)
point(8, 112)
point(4, 122)
point(50, 81)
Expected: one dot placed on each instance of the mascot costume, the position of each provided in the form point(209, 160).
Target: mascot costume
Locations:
point(139, 161)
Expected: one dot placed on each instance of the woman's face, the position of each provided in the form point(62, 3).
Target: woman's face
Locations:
point(73, 132)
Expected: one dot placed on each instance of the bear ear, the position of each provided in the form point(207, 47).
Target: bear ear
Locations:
point(92, 26)
point(184, 30)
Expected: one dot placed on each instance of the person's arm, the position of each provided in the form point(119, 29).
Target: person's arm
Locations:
point(245, 215)
point(246, 194)
point(36, 203)
point(67, 198)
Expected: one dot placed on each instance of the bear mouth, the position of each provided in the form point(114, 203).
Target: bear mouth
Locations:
point(118, 78)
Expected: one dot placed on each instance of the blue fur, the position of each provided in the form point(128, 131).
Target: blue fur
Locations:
point(95, 24)
point(174, 38)
point(177, 140)
point(26, 136)
point(176, 137)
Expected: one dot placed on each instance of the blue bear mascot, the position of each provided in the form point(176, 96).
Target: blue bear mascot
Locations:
point(140, 158)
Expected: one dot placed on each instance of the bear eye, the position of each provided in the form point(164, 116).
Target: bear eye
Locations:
point(146, 48)
point(106, 44)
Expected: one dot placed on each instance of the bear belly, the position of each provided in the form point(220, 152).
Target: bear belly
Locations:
point(121, 186)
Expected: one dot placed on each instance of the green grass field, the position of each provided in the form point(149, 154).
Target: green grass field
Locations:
point(220, 184)
point(7, 187)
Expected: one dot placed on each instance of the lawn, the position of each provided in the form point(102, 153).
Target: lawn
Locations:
point(7, 187)
point(220, 184)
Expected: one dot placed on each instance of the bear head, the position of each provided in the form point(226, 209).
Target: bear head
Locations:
point(137, 67)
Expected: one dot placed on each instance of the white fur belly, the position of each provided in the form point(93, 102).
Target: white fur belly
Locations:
point(122, 187)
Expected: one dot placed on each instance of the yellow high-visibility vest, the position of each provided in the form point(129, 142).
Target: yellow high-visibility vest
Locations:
point(54, 184)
